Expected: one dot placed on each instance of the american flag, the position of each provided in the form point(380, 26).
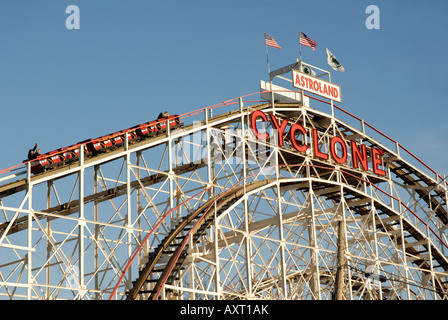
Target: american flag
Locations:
point(269, 41)
point(304, 40)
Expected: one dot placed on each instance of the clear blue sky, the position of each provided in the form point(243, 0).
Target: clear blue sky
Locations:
point(131, 59)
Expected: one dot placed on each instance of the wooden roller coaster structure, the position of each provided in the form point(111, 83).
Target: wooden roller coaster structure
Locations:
point(229, 225)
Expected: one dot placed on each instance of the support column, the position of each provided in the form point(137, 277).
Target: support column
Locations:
point(281, 243)
point(340, 273)
point(81, 222)
point(248, 251)
point(49, 245)
point(97, 231)
point(29, 259)
point(315, 278)
point(128, 196)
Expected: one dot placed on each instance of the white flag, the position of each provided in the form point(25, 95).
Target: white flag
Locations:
point(333, 62)
point(306, 69)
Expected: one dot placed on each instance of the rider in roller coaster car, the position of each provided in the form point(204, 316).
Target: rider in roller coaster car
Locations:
point(163, 115)
point(33, 153)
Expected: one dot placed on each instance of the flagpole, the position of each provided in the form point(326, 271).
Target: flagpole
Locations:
point(267, 59)
point(329, 80)
point(268, 40)
point(269, 76)
point(300, 68)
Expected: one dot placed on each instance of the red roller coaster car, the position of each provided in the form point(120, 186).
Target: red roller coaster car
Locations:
point(93, 147)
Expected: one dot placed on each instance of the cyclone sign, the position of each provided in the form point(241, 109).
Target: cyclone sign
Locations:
point(315, 85)
point(341, 151)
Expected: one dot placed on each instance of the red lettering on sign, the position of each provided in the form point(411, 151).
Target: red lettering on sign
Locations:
point(338, 140)
point(309, 83)
point(326, 89)
point(297, 78)
point(253, 123)
point(338, 147)
point(335, 93)
point(377, 161)
point(292, 134)
point(280, 128)
point(316, 151)
point(359, 155)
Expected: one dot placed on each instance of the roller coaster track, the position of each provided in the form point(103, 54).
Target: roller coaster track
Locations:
point(175, 249)
point(421, 237)
point(175, 244)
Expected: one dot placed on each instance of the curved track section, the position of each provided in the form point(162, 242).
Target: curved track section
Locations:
point(210, 211)
point(166, 263)
point(174, 247)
